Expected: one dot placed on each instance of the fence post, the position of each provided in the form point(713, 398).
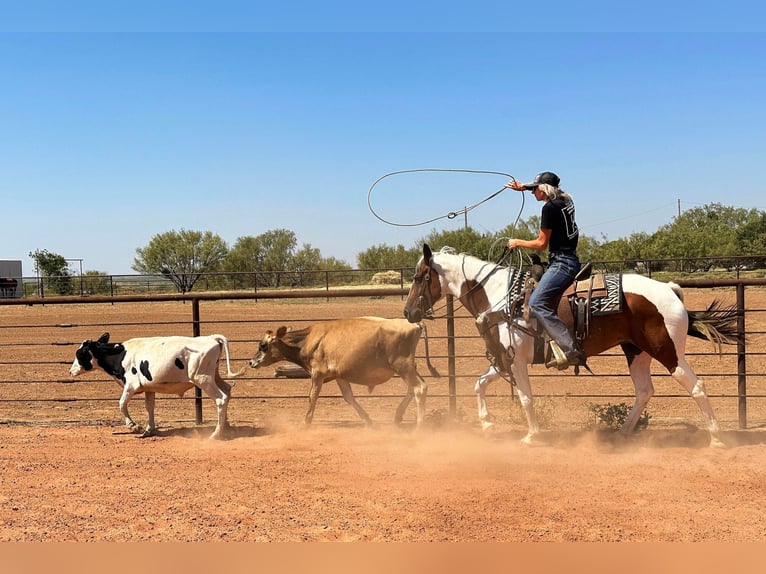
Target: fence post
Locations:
point(451, 356)
point(741, 354)
point(197, 390)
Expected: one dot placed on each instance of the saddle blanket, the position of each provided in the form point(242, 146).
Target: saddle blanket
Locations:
point(604, 290)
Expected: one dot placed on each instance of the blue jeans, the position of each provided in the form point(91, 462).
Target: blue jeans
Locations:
point(561, 271)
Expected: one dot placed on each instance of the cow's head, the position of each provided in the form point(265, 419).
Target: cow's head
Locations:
point(93, 350)
point(268, 349)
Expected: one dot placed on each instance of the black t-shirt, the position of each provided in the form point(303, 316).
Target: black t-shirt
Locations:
point(558, 215)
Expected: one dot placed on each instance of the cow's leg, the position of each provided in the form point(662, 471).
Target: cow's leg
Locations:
point(400, 410)
point(480, 388)
point(151, 429)
point(208, 384)
point(226, 389)
point(317, 380)
point(418, 388)
point(524, 392)
point(127, 392)
point(640, 373)
point(348, 395)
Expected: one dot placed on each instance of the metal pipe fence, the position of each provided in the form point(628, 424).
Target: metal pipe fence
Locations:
point(35, 352)
point(101, 284)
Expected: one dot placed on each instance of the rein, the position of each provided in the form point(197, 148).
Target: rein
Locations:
point(514, 276)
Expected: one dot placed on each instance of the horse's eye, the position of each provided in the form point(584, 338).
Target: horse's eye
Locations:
point(263, 346)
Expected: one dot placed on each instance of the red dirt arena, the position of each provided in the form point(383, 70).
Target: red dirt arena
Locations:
point(72, 472)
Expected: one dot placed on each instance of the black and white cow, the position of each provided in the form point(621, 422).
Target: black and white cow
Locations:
point(150, 365)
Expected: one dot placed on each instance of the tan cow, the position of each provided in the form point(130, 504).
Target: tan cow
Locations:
point(363, 350)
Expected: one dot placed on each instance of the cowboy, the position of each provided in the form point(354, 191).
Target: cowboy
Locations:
point(558, 234)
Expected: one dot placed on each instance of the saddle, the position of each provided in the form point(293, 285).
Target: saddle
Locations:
point(589, 295)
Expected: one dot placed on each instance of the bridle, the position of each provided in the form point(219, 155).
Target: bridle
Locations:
point(424, 300)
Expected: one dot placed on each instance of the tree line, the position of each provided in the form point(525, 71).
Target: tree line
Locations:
point(183, 257)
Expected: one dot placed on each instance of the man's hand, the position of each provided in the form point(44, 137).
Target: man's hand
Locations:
point(513, 184)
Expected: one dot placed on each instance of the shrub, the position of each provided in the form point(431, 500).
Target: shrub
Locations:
point(614, 416)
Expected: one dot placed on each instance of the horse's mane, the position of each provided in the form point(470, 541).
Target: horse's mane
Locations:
point(452, 251)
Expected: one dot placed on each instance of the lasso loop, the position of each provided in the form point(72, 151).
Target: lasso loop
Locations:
point(507, 256)
point(451, 214)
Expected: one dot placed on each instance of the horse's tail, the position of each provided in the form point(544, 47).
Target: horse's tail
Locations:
point(716, 324)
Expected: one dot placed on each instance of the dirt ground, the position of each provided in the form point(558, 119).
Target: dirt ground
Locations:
point(69, 471)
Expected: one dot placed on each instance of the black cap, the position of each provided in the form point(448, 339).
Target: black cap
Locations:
point(544, 177)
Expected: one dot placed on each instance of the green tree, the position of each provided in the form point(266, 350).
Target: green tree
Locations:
point(308, 266)
point(181, 256)
point(707, 231)
point(246, 255)
point(96, 282)
point(523, 229)
point(383, 256)
point(465, 240)
point(54, 271)
point(751, 235)
point(279, 248)
point(268, 255)
point(630, 250)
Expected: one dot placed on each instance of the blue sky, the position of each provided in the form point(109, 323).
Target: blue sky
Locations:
point(117, 128)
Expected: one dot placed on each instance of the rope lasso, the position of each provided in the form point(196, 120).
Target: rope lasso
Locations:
point(451, 214)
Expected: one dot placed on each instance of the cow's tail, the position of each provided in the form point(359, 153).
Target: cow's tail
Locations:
point(225, 344)
point(431, 368)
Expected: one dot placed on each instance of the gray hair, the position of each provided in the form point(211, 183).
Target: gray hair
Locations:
point(552, 192)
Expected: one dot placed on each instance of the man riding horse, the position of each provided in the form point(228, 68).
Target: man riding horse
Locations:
point(559, 234)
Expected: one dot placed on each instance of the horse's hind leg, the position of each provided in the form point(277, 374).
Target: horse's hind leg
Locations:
point(685, 375)
point(640, 374)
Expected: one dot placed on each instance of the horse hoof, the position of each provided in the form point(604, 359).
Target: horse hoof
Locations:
point(487, 426)
point(528, 440)
point(716, 442)
point(147, 433)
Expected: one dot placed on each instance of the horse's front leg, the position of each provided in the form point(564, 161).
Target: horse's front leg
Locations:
point(524, 391)
point(481, 396)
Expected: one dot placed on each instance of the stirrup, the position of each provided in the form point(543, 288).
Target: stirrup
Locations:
point(559, 360)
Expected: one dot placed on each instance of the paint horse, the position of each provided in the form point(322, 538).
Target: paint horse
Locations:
point(653, 323)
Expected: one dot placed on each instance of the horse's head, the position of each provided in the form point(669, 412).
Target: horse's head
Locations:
point(425, 290)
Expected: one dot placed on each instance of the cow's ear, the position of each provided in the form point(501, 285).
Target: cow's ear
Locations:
point(281, 332)
point(427, 254)
point(103, 339)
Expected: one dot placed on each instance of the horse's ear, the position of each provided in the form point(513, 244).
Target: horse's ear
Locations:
point(427, 253)
point(282, 331)
point(103, 339)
